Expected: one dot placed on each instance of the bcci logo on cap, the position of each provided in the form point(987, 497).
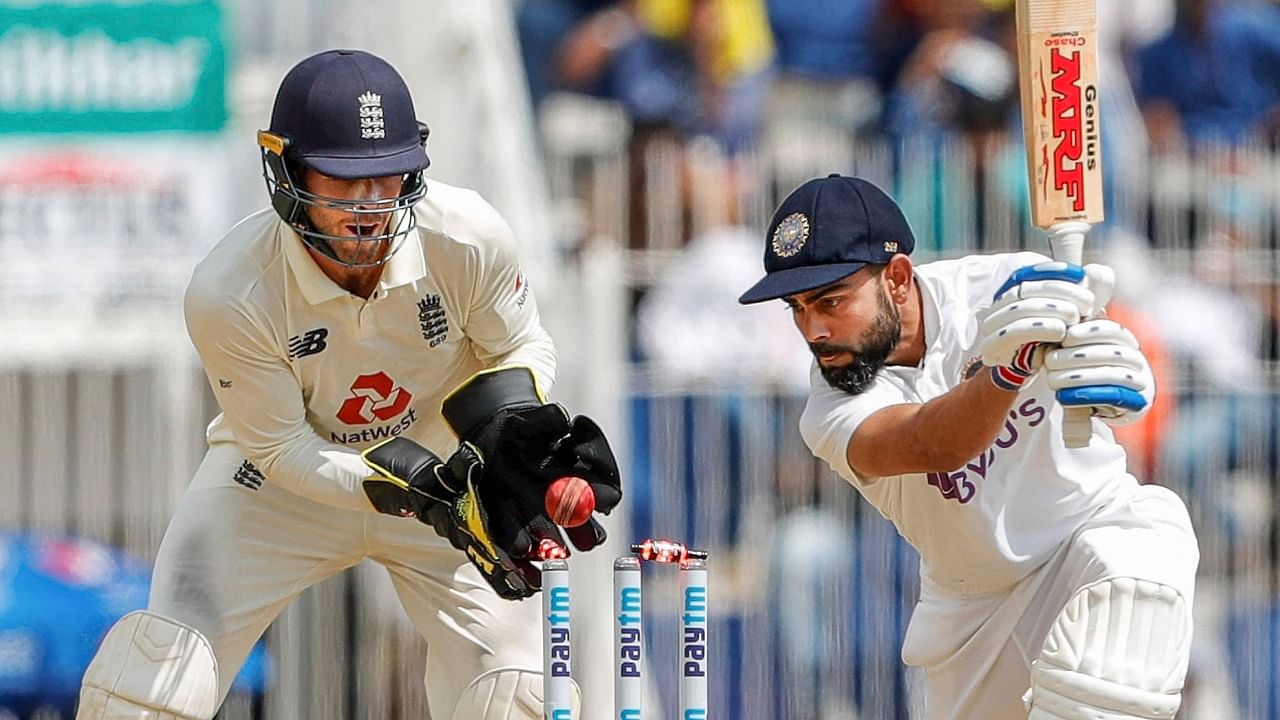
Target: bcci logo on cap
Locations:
point(371, 124)
point(790, 235)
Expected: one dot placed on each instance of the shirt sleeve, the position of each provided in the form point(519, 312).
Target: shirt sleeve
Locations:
point(832, 416)
point(503, 321)
point(262, 404)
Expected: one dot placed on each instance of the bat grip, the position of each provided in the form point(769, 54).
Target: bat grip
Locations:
point(1066, 241)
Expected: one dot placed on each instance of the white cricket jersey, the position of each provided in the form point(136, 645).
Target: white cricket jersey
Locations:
point(988, 524)
point(307, 374)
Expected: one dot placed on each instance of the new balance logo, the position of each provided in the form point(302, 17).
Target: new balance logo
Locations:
point(248, 476)
point(308, 343)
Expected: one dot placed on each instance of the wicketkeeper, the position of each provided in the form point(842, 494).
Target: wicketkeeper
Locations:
point(380, 365)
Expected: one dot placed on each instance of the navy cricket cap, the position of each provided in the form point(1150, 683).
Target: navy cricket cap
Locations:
point(348, 114)
point(828, 229)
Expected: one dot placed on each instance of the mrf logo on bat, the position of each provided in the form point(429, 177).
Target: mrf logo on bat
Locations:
point(1073, 117)
point(1058, 67)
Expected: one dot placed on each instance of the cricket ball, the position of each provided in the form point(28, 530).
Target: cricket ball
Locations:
point(570, 501)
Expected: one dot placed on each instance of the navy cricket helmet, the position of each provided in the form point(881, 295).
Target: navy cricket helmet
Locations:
point(347, 114)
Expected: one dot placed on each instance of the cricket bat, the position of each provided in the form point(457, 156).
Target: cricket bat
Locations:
point(1058, 81)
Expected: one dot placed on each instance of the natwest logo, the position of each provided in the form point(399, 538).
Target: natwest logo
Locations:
point(373, 397)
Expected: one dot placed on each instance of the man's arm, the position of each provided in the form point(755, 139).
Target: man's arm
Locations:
point(1034, 307)
point(502, 321)
point(262, 404)
point(937, 436)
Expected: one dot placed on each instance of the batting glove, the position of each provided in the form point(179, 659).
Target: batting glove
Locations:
point(1034, 307)
point(1100, 365)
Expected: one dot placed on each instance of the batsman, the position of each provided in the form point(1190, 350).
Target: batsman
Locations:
point(380, 364)
point(1053, 585)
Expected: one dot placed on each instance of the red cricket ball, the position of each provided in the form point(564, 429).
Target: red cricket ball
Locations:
point(570, 501)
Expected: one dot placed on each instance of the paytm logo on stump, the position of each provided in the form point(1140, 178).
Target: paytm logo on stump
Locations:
point(694, 641)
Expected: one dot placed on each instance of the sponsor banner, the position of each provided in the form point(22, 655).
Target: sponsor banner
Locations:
point(112, 67)
point(90, 229)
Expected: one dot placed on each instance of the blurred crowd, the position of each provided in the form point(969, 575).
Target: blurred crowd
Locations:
point(1176, 72)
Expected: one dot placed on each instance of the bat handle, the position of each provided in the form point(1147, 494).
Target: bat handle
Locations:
point(1066, 241)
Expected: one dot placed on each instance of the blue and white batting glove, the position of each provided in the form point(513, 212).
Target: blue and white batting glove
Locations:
point(1100, 365)
point(1034, 307)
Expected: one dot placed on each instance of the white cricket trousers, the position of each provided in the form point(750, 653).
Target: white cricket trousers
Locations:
point(977, 651)
point(234, 556)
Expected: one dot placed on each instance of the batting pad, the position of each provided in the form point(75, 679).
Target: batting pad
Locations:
point(507, 694)
point(150, 668)
point(1119, 650)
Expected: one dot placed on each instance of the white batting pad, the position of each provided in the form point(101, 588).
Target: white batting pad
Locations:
point(150, 668)
point(1118, 651)
point(507, 694)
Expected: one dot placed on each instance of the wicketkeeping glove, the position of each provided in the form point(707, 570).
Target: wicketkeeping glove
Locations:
point(525, 444)
point(406, 479)
point(466, 523)
point(1099, 365)
point(411, 481)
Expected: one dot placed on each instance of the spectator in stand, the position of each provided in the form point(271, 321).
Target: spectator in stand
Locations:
point(955, 78)
point(697, 67)
point(950, 116)
point(828, 60)
point(569, 43)
point(686, 73)
point(1226, 86)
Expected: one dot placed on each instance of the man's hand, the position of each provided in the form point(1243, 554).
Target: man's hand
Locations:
point(466, 524)
point(406, 479)
point(1099, 365)
point(410, 481)
point(1035, 306)
point(525, 444)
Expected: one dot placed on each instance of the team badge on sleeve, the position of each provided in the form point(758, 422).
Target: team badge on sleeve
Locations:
point(790, 235)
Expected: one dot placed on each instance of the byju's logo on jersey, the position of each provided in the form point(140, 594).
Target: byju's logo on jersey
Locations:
point(371, 125)
point(308, 343)
point(373, 397)
point(961, 485)
point(434, 322)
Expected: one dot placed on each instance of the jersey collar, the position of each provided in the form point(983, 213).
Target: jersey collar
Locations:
point(406, 266)
point(316, 286)
point(932, 321)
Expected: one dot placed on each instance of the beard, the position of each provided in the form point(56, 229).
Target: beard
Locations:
point(877, 343)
